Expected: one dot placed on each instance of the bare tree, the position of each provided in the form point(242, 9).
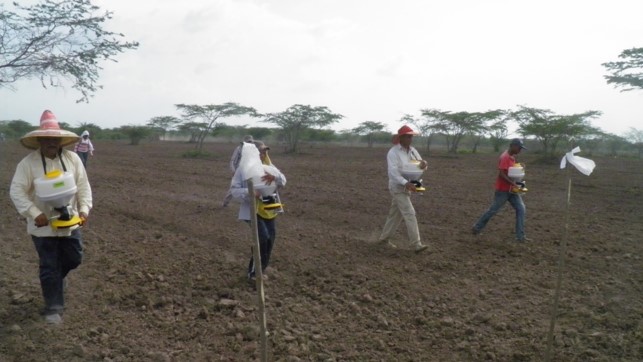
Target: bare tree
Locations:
point(454, 126)
point(626, 73)
point(552, 129)
point(498, 132)
point(55, 40)
point(298, 118)
point(210, 114)
point(481, 123)
point(368, 129)
point(163, 124)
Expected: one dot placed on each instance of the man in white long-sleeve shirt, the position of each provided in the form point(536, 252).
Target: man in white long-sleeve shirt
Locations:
point(60, 250)
point(400, 188)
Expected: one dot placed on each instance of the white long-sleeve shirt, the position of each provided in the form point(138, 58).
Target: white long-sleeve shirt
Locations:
point(23, 192)
point(396, 158)
point(239, 191)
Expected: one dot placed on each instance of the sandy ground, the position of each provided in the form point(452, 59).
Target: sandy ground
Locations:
point(163, 273)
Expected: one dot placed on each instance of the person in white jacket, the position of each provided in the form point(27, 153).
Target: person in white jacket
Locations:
point(266, 227)
point(84, 147)
point(60, 250)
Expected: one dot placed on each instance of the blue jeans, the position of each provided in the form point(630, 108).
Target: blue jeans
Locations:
point(58, 256)
point(267, 235)
point(83, 157)
point(499, 200)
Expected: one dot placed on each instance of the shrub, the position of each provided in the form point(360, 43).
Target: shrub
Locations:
point(195, 154)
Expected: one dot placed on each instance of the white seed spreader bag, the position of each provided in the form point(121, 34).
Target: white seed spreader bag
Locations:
point(250, 165)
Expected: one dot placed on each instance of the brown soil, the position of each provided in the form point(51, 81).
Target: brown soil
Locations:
point(163, 274)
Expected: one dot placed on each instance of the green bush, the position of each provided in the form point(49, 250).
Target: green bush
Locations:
point(195, 154)
point(135, 133)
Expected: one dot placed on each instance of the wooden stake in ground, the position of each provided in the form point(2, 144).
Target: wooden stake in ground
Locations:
point(559, 278)
point(585, 166)
point(256, 255)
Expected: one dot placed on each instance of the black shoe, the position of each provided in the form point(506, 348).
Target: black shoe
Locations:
point(475, 231)
point(252, 281)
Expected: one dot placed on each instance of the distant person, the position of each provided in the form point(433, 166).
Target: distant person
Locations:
point(84, 147)
point(503, 193)
point(266, 227)
point(234, 163)
point(61, 250)
point(400, 188)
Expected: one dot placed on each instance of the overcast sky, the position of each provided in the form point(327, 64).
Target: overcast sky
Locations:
point(368, 60)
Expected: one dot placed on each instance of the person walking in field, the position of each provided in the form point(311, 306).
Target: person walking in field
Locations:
point(266, 226)
point(503, 193)
point(84, 147)
point(60, 250)
point(400, 188)
point(234, 163)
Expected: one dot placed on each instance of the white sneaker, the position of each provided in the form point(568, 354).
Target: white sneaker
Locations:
point(53, 318)
point(420, 247)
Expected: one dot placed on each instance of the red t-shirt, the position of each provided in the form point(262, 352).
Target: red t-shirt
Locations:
point(506, 161)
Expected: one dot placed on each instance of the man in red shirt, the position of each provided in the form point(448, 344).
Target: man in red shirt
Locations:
point(504, 185)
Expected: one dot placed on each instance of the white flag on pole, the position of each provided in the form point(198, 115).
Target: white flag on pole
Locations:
point(582, 164)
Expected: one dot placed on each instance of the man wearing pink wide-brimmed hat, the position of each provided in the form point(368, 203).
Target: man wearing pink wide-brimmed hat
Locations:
point(400, 188)
point(60, 249)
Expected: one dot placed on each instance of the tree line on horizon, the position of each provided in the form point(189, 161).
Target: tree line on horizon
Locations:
point(306, 123)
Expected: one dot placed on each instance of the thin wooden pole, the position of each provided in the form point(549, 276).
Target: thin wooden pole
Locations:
point(559, 278)
point(256, 255)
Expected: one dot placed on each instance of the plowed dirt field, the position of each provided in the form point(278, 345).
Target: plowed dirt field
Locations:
point(163, 277)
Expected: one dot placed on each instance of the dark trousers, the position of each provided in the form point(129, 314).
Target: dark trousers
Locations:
point(267, 235)
point(499, 199)
point(83, 157)
point(58, 256)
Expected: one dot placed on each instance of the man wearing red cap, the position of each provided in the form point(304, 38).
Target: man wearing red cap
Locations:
point(399, 155)
point(60, 249)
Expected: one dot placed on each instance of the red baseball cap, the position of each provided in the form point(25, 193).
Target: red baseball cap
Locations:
point(406, 130)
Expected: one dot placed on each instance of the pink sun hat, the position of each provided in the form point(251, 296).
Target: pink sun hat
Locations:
point(49, 127)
